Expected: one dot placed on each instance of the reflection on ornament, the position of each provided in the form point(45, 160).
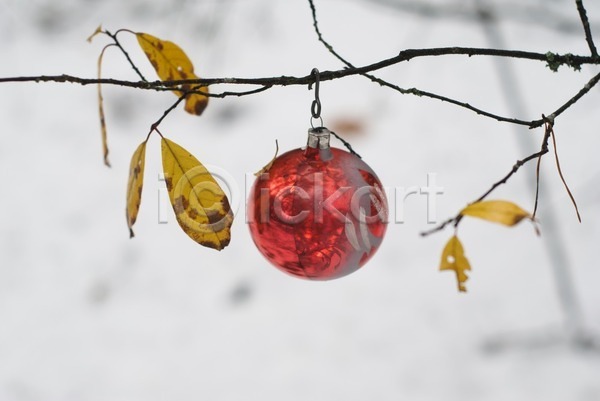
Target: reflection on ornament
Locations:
point(318, 213)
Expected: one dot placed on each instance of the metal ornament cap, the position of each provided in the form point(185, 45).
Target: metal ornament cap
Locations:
point(318, 138)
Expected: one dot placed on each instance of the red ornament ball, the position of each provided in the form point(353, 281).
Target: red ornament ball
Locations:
point(318, 213)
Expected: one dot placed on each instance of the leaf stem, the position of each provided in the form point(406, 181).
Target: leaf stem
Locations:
point(553, 135)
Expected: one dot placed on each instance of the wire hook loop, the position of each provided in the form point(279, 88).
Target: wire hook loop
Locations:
point(315, 108)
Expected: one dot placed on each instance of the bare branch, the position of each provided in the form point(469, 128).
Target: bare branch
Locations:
point(406, 55)
point(519, 163)
point(570, 60)
point(322, 39)
point(439, 227)
point(553, 60)
point(195, 90)
point(586, 88)
point(118, 44)
point(412, 91)
point(549, 121)
point(346, 144)
point(403, 56)
point(586, 27)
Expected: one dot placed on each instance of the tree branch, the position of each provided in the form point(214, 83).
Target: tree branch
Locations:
point(553, 60)
point(403, 56)
point(572, 61)
point(586, 27)
point(196, 91)
point(544, 148)
point(129, 60)
point(586, 88)
point(537, 155)
point(550, 58)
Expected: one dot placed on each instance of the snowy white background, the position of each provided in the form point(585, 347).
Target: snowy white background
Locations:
point(88, 314)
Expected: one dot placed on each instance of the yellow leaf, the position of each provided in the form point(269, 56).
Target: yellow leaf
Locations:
point(135, 184)
point(502, 212)
point(453, 258)
point(268, 166)
point(201, 207)
point(171, 63)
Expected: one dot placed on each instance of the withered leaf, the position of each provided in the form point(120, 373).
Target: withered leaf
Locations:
point(201, 207)
point(171, 63)
point(101, 114)
point(135, 184)
point(453, 258)
point(497, 211)
point(98, 31)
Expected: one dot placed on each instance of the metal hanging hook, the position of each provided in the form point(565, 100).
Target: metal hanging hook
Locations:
point(315, 108)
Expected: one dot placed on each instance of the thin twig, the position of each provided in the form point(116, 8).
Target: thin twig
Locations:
point(586, 88)
point(544, 147)
point(417, 92)
point(586, 27)
point(195, 91)
point(180, 99)
point(481, 112)
point(439, 227)
point(515, 168)
point(457, 219)
point(322, 39)
point(131, 63)
point(225, 94)
point(411, 91)
point(346, 144)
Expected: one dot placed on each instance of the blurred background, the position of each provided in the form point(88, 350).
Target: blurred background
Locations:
point(88, 314)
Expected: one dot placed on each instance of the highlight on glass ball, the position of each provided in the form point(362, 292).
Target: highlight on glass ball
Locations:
point(318, 213)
